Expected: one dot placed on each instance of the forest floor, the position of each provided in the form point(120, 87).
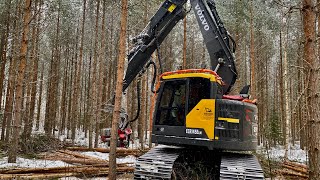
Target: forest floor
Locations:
point(50, 158)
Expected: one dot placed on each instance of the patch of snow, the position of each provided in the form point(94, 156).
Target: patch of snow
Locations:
point(31, 163)
point(80, 138)
point(39, 163)
point(105, 156)
point(277, 153)
point(127, 159)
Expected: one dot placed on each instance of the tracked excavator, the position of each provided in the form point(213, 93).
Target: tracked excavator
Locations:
point(195, 118)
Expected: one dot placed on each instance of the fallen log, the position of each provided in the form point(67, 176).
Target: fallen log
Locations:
point(78, 161)
point(120, 151)
point(57, 169)
point(296, 164)
point(73, 158)
point(36, 176)
point(76, 172)
point(297, 169)
point(292, 173)
point(53, 155)
point(78, 155)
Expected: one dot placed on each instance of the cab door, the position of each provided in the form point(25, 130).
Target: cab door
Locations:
point(170, 113)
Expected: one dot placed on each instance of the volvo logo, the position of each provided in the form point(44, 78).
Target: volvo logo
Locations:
point(203, 20)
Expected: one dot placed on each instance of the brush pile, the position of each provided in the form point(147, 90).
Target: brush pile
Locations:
point(293, 170)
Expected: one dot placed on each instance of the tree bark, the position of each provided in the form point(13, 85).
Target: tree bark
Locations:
point(19, 85)
point(3, 47)
point(184, 43)
point(40, 98)
point(53, 83)
point(287, 103)
point(34, 72)
point(117, 107)
point(94, 108)
point(313, 89)
point(102, 69)
point(3, 61)
point(77, 85)
point(252, 58)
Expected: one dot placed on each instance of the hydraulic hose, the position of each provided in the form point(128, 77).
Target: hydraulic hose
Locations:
point(139, 88)
point(139, 104)
point(154, 75)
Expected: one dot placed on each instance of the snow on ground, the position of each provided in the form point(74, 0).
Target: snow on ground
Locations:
point(31, 163)
point(277, 153)
point(105, 156)
point(79, 140)
point(39, 163)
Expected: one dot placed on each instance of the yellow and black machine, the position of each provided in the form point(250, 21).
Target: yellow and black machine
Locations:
point(191, 110)
point(194, 117)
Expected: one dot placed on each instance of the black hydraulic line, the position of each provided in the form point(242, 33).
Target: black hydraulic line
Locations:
point(139, 88)
point(154, 75)
point(139, 104)
point(159, 57)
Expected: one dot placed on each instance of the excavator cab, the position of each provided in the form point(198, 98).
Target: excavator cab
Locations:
point(192, 111)
point(178, 98)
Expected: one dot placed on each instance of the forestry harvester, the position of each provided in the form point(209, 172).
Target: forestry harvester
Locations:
point(194, 117)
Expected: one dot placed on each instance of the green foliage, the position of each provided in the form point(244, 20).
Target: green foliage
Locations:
point(274, 129)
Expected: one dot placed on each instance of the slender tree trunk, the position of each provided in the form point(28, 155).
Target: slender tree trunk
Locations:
point(40, 98)
point(281, 97)
point(7, 117)
point(52, 87)
point(3, 48)
point(64, 97)
point(77, 85)
point(94, 109)
point(252, 58)
point(287, 103)
point(102, 69)
point(252, 69)
point(19, 85)
point(117, 107)
point(184, 43)
point(3, 61)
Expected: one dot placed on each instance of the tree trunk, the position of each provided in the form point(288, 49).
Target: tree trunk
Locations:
point(3, 47)
point(77, 85)
point(102, 69)
point(184, 43)
point(117, 107)
point(287, 103)
point(40, 98)
point(94, 93)
point(3, 61)
point(7, 117)
point(312, 90)
point(252, 58)
point(33, 85)
point(52, 87)
point(19, 85)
